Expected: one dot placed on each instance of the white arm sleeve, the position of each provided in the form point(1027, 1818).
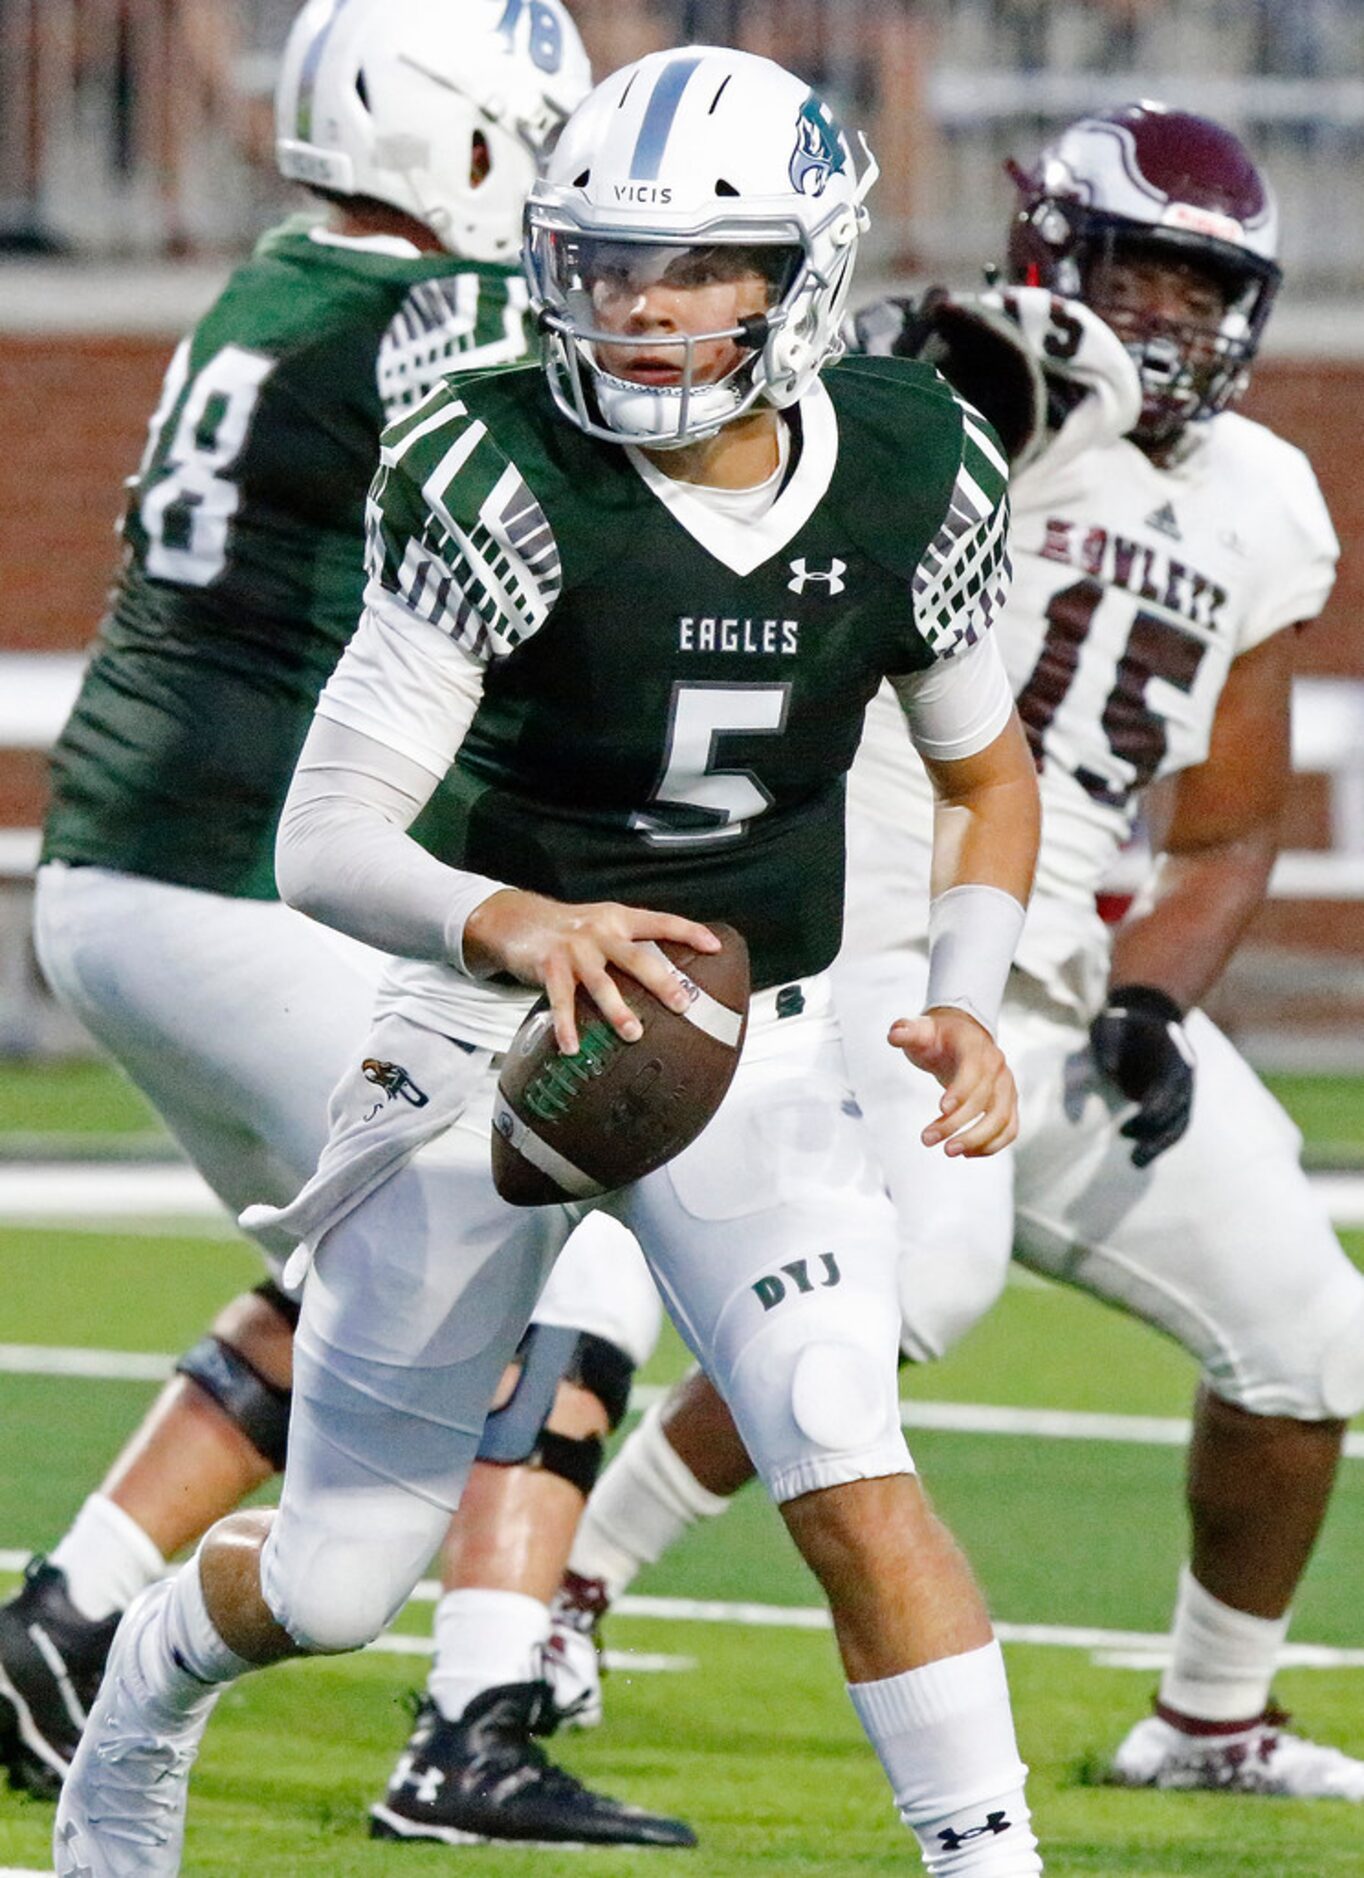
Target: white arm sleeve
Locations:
point(959, 705)
point(343, 855)
point(404, 682)
point(388, 726)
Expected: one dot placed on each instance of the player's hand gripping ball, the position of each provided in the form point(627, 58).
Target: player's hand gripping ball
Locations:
point(571, 1127)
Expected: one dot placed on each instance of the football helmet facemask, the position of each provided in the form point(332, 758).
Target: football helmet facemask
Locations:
point(443, 109)
point(697, 169)
point(1147, 184)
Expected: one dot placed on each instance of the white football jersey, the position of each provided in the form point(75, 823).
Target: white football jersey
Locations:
point(1134, 589)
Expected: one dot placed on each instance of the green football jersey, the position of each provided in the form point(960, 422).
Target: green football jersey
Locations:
point(243, 563)
point(672, 698)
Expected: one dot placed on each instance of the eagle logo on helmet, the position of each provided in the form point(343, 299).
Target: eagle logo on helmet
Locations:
point(818, 154)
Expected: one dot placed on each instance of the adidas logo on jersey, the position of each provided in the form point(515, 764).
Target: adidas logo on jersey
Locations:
point(1163, 519)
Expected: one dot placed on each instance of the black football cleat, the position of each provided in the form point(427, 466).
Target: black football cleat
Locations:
point(51, 1662)
point(485, 1778)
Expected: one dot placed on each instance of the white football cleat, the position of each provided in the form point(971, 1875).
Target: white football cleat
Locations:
point(122, 1808)
point(1263, 1760)
point(572, 1663)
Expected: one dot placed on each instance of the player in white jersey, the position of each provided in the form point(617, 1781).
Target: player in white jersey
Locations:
point(1164, 559)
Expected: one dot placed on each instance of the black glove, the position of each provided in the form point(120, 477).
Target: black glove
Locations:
point(1139, 1045)
point(978, 348)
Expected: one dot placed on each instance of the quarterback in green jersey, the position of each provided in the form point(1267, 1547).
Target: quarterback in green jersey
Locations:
point(422, 124)
point(622, 621)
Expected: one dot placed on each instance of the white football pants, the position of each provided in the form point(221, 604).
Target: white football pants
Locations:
point(771, 1238)
point(1221, 1242)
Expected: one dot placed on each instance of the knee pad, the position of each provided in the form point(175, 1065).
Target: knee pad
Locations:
point(279, 1301)
point(517, 1433)
point(338, 1567)
point(816, 1400)
point(1310, 1371)
point(837, 1400)
point(256, 1407)
point(336, 1609)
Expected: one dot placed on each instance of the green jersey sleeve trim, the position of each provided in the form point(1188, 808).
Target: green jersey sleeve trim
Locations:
point(962, 581)
point(455, 533)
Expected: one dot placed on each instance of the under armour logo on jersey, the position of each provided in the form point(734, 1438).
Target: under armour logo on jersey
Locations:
point(994, 1823)
point(1163, 519)
point(833, 574)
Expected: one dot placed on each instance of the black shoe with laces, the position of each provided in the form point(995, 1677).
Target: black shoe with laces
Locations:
point(51, 1662)
point(485, 1777)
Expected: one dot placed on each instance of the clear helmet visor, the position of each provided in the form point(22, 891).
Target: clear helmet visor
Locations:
point(656, 342)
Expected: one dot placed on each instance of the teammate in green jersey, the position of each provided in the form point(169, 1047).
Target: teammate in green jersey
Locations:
point(158, 919)
point(638, 643)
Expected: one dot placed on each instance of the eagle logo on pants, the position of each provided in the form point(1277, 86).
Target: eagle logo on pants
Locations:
point(395, 1082)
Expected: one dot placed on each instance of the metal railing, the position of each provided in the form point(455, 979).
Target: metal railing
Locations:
point(143, 126)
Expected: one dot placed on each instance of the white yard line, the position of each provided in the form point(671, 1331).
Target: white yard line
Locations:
point(40, 1359)
point(94, 1195)
point(958, 1418)
point(635, 1662)
point(1122, 1649)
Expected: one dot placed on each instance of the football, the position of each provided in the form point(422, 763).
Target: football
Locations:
point(571, 1127)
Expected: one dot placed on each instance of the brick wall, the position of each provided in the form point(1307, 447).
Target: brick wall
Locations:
point(76, 410)
point(1315, 406)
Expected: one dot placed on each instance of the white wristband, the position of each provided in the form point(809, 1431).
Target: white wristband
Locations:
point(973, 933)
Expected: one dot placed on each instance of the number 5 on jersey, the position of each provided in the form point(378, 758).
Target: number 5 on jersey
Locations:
point(709, 803)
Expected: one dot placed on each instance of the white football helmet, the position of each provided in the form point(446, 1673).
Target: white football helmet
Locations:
point(674, 160)
point(445, 109)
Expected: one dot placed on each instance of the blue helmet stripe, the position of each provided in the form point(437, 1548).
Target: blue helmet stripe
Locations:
point(658, 118)
point(307, 77)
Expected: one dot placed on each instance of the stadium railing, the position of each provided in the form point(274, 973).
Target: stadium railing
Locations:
point(143, 126)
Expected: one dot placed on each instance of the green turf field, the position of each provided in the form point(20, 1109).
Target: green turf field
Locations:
point(756, 1743)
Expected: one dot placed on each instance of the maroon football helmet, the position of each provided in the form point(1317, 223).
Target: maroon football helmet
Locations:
point(1144, 183)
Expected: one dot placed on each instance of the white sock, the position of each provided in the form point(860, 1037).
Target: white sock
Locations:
point(181, 1654)
point(646, 1499)
point(485, 1639)
point(107, 1559)
point(945, 1736)
point(1224, 1659)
